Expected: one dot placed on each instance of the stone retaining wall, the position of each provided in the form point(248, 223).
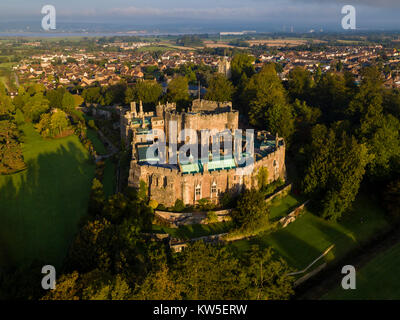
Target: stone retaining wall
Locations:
point(280, 194)
point(293, 215)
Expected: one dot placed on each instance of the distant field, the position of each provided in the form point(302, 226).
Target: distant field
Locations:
point(40, 208)
point(309, 236)
point(154, 48)
point(379, 279)
point(290, 42)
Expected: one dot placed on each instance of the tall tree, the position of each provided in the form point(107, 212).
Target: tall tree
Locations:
point(251, 211)
point(266, 97)
point(146, 91)
point(336, 168)
point(219, 89)
point(268, 276)
point(300, 84)
point(11, 158)
point(242, 64)
point(178, 91)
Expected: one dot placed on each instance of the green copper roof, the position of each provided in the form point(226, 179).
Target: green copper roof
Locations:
point(221, 164)
point(142, 152)
point(194, 167)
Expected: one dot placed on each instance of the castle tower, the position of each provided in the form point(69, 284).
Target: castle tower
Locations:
point(141, 109)
point(133, 109)
point(143, 120)
point(159, 110)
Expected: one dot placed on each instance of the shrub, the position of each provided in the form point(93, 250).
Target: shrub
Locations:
point(153, 204)
point(212, 217)
point(179, 205)
point(251, 211)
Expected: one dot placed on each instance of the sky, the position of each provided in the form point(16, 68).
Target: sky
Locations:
point(221, 15)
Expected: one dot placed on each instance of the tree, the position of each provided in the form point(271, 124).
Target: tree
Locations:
point(266, 97)
point(178, 91)
point(58, 123)
point(90, 248)
point(376, 128)
point(68, 102)
point(300, 84)
point(268, 276)
point(92, 95)
point(332, 96)
point(208, 272)
point(242, 64)
point(392, 198)
point(68, 288)
point(336, 167)
point(115, 94)
point(159, 285)
point(6, 105)
point(97, 198)
point(44, 125)
point(146, 91)
point(251, 211)
point(55, 97)
point(219, 89)
point(35, 106)
point(11, 158)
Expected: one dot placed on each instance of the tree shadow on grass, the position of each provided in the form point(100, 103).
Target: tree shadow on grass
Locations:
point(40, 208)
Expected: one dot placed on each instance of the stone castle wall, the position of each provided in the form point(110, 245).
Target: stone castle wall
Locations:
point(166, 185)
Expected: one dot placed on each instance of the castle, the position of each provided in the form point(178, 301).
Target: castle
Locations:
point(196, 178)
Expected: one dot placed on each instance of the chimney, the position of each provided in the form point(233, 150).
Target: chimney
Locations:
point(141, 108)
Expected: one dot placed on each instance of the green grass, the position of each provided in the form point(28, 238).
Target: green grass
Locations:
point(379, 279)
point(195, 230)
point(40, 207)
point(309, 236)
point(97, 144)
point(281, 207)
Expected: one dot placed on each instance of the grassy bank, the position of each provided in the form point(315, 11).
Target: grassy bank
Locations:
point(379, 279)
point(40, 208)
point(309, 236)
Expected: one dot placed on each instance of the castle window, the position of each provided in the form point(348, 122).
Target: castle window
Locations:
point(165, 182)
point(198, 192)
point(213, 189)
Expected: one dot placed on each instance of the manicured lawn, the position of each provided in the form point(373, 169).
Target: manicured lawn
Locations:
point(195, 230)
point(40, 207)
point(379, 279)
point(281, 207)
point(97, 144)
point(309, 236)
